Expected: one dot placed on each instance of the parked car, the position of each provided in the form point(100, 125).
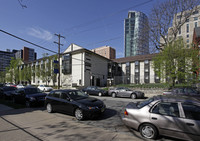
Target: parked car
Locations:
point(1, 84)
point(20, 86)
point(125, 92)
point(30, 96)
point(74, 102)
point(6, 92)
point(187, 91)
point(45, 88)
point(94, 90)
point(169, 115)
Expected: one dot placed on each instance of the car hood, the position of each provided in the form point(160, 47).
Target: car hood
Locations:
point(90, 101)
point(37, 95)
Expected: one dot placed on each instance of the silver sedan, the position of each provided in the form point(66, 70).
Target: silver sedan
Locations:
point(125, 92)
point(173, 116)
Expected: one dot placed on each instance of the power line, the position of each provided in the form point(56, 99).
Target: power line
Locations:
point(27, 41)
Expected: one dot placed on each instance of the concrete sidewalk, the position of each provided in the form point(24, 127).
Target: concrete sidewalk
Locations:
point(40, 125)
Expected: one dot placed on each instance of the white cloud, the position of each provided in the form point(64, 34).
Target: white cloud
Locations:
point(40, 33)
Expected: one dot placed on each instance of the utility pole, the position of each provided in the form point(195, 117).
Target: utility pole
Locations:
point(59, 36)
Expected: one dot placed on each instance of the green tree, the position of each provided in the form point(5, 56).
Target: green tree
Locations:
point(175, 63)
point(12, 72)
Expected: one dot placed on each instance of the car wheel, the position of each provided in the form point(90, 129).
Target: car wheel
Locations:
point(133, 96)
point(148, 131)
point(49, 108)
point(28, 104)
point(14, 100)
point(113, 95)
point(44, 90)
point(79, 114)
point(100, 94)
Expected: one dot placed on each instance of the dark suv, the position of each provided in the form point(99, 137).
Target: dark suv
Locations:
point(30, 96)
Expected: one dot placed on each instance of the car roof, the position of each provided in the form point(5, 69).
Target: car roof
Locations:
point(177, 98)
point(64, 90)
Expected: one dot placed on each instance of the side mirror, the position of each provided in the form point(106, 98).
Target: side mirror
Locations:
point(68, 99)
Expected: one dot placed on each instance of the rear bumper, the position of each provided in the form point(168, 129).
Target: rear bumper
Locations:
point(130, 122)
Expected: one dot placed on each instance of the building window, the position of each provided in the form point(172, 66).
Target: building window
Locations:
point(187, 20)
point(195, 18)
point(66, 64)
point(188, 40)
point(195, 24)
point(187, 35)
point(187, 28)
point(179, 31)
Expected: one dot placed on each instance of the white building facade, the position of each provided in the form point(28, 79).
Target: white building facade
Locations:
point(79, 67)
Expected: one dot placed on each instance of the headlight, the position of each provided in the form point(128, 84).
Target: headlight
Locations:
point(32, 98)
point(92, 108)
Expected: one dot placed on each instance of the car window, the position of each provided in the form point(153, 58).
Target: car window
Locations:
point(57, 94)
point(144, 103)
point(32, 90)
point(166, 108)
point(77, 95)
point(64, 95)
point(191, 111)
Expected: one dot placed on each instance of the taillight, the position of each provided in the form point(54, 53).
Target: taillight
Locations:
point(125, 113)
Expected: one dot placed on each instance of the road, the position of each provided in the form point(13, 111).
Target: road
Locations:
point(35, 124)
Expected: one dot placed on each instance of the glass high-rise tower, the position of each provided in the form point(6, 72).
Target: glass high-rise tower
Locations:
point(136, 34)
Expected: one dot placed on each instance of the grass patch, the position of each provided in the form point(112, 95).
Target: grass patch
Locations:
point(11, 104)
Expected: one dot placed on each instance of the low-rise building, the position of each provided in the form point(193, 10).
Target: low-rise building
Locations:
point(136, 69)
point(79, 67)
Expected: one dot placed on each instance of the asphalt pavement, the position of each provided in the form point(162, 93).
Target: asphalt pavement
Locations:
point(32, 124)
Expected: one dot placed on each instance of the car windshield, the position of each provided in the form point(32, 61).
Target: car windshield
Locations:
point(75, 95)
point(32, 91)
point(9, 89)
point(45, 85)
point(144, 103)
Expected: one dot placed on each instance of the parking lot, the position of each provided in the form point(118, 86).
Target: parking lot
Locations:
point(37, 124)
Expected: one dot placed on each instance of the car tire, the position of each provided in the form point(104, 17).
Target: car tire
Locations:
point(148, 131)
point(113, 95)
point(14, 100)
point(28, 104)
point(99, 94)
point(44, 90)
point(133, 96)
point(79, 114)
point(49, 108)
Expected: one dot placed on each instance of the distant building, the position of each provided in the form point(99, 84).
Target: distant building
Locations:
point(5, 57)
point(136, 69)
point(105, 51)
point(27, 54)
point(196, 41)
point(187, 29)
point(136, 34)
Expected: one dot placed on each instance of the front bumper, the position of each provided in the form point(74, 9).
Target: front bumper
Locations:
point(94, 112)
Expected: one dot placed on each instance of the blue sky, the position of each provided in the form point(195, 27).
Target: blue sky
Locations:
point(88, 23)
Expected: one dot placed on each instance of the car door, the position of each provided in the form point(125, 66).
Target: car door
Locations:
point(190, 123)
point(66, 103)
point(165, 116)
point(122, 92)
point(20, 96)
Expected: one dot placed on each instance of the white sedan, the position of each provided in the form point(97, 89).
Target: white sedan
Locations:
point(20, 86)
point(45, 88)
